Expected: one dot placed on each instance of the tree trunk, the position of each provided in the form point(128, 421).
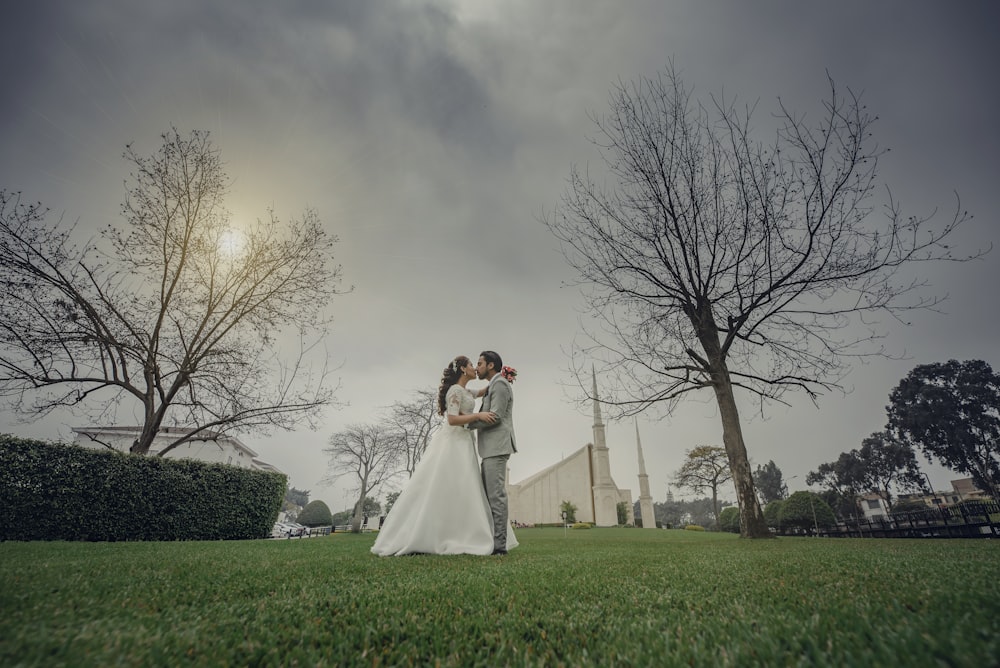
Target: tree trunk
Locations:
point(752, 522)
point(715, 507)
point(359, 508)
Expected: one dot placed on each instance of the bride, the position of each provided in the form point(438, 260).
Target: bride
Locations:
point(443, 509)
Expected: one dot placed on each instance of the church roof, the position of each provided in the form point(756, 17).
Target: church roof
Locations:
point(549, 469)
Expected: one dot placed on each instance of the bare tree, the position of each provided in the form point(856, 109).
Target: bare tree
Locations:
point(368, 452)
point(176, 310)
point(713, 261)
point(414, 421)
point(706, 467)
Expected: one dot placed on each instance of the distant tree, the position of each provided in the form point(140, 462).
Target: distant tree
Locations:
point(668, 513)
point(368, 453)
point(806, 510)
point(772, 513)
point(880, 465)
point(845, 506)
point(371, 507)
point(343, 517)
point(888, 464)
point(769, 483)
point(569, 509)
point(390, 501)
point(315, 514)
point(908, 506)
point(175, 316)
point(706, 468)
point(297, 496)
point(414, 421)
point(951, 411)
point(843, 480)
point(622, 509)
point(729, 519)
point(713, 260)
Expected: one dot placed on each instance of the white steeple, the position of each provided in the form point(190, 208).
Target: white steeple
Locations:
point(645, 498)
point(605, 492)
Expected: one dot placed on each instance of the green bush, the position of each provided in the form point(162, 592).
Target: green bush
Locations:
point(909, 506)
point(729, 519)
point(694, 527)
point(581, 525)
point(805, 510)
point(315, 514)
point(52, 491)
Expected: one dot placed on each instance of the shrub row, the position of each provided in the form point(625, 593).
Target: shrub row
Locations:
point(53, 491)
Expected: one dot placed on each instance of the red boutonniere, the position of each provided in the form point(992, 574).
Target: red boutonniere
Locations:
point(509, 372)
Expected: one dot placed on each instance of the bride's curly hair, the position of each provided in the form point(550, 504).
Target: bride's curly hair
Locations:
point(449, 377)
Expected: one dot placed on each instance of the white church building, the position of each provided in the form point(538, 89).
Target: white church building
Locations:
point(584, 479)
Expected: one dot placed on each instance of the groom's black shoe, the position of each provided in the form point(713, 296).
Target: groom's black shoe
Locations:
point(499, 553)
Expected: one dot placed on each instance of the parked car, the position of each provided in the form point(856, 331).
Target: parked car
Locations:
point(289, 530)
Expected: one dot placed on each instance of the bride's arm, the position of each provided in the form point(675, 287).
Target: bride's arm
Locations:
point(457, 420)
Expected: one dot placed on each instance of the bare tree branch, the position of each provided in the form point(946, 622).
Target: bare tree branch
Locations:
point(167, 311)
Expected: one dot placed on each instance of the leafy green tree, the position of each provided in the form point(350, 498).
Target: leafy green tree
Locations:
point(951, 411)
point(372, 508)
point(315, 514)
point(772, 513)
point(880, 465)
point(714, 260)
point(729, 519)
point(166, 316)
point(390, 501)
point(343, 517)
point(622, 509)
point(842, 480)
point(844, 505)
point(887, 464)
point(706, 468)
point(569, 509)
point(806, 510)
point(769, 483)
point(297, 497)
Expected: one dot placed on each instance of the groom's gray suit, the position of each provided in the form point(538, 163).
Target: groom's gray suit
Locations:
point(496, 444)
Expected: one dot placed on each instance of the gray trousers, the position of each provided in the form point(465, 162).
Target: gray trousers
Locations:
point(495, 483)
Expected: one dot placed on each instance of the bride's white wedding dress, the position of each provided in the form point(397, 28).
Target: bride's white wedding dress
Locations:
point(443, 508)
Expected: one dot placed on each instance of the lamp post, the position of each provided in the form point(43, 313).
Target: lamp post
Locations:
point(934, 498)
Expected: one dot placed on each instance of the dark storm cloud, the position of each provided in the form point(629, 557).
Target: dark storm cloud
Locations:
point(430, 136)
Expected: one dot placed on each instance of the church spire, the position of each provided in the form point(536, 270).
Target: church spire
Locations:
point(645, 498)
point(604, 490)
point(597, 401)
point(638, 445)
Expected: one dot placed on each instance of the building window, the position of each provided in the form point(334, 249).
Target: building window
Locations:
point(230, 460)
point(874, 505)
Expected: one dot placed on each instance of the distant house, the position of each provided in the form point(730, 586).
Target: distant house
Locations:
point(966, 490)
point(873, 506)
point(961, 490)
point(207, 446)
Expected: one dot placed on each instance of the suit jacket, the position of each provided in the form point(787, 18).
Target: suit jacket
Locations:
point(497, 439)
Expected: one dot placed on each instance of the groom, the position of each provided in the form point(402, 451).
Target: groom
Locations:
point(496, 442)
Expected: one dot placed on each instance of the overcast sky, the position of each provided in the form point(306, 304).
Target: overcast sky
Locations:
point(432, 136)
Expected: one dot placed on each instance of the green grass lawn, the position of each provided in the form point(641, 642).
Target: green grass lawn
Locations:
point(600, 597)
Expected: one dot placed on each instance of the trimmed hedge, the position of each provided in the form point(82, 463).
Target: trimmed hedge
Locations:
point(315, 514)
point(53, 491)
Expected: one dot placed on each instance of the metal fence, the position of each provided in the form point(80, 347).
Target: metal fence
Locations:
point(970, 519)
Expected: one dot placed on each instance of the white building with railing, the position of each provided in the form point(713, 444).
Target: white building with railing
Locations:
point(207, 446)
